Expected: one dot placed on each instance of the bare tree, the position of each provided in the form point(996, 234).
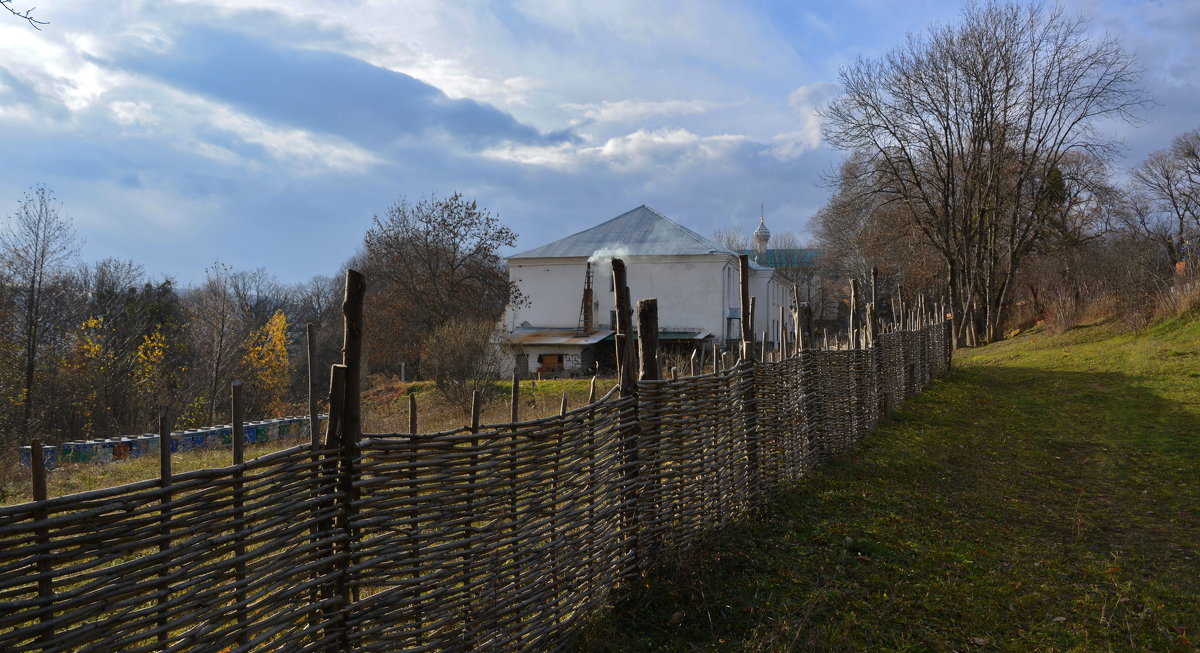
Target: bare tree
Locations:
point(37, 243)
point(216, 330)
point(970, 127)
point(733, 239)
point(785, 240)
point(1166, 207)
point(432, 262)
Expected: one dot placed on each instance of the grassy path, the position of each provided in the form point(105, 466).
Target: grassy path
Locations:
point(1044, 497)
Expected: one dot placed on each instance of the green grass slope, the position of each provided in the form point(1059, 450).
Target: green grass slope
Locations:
point(1043, 497)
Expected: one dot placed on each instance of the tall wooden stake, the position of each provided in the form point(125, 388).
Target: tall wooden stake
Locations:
point(624, 336)
point(647, 315)
point(335, 484)
point(853, 325)
point(747, 315)
point(37, 468)
point(239, 549)
point(514, 409)
point(352, 314)
point(873, 308)
point(628, 427)
point(164, 544)
point(412, 413)
point(753, 310)
point(314, 423)
point(796, 339)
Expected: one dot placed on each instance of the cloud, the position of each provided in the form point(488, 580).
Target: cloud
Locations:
point(323, 92)
point(806, 103)
point(641, 150)
point(627, 110)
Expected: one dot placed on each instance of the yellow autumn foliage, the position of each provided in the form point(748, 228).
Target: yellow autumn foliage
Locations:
point(268, 363)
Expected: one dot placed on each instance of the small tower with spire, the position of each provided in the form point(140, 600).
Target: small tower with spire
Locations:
point(761, 235)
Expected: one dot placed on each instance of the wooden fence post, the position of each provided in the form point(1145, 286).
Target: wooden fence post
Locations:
point(338, 552)
point(648, 340)
point(45, 585)
point(239, 547)
point(164, 544)
point(310, 337)
point(747, 321)
point(796, 338)
point(352, 343)
point(853, 325)
point(781, 332)
point(874, 307)
point(314, 445)
point(628, 426)
point(514, 410)
point(649, 370)
point(750, 343)
point(624, 336)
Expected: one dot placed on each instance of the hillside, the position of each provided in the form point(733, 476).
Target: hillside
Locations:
point(1044, 496)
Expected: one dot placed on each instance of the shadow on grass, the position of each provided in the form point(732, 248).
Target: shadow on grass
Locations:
point(1008, 508)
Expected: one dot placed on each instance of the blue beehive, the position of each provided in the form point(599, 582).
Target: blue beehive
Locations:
point(149, 444)
point(67, 452)
point(85, 452)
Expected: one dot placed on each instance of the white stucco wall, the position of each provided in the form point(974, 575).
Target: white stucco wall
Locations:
point(693, 292)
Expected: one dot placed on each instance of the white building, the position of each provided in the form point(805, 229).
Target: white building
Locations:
point(694, 279)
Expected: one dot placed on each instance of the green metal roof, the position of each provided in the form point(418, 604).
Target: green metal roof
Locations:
point(785, 258)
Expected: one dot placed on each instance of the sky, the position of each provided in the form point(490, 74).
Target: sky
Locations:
point(268, 133)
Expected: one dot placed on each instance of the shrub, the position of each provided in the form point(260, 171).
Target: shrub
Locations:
point(463, 356)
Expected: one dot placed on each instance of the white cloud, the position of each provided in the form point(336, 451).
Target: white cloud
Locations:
point(137, 112)
point(623, 110)
point(560, 156)
point(638, 151)
point(58, 68)
point(805, 101)
point(303, 151)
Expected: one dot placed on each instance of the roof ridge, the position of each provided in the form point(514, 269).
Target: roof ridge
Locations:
point(638, 234)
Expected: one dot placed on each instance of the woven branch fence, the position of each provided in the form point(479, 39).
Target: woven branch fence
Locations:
point(507, 537)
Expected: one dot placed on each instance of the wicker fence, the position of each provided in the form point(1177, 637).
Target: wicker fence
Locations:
point(506, 537)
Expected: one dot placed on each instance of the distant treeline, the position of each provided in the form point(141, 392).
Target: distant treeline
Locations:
point(91, 349)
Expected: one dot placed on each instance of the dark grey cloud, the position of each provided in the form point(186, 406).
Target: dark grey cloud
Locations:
point(324, 92)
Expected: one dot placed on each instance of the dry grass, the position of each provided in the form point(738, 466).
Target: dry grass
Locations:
point(385, 410)
point(385, 406)
point(1180, 300)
